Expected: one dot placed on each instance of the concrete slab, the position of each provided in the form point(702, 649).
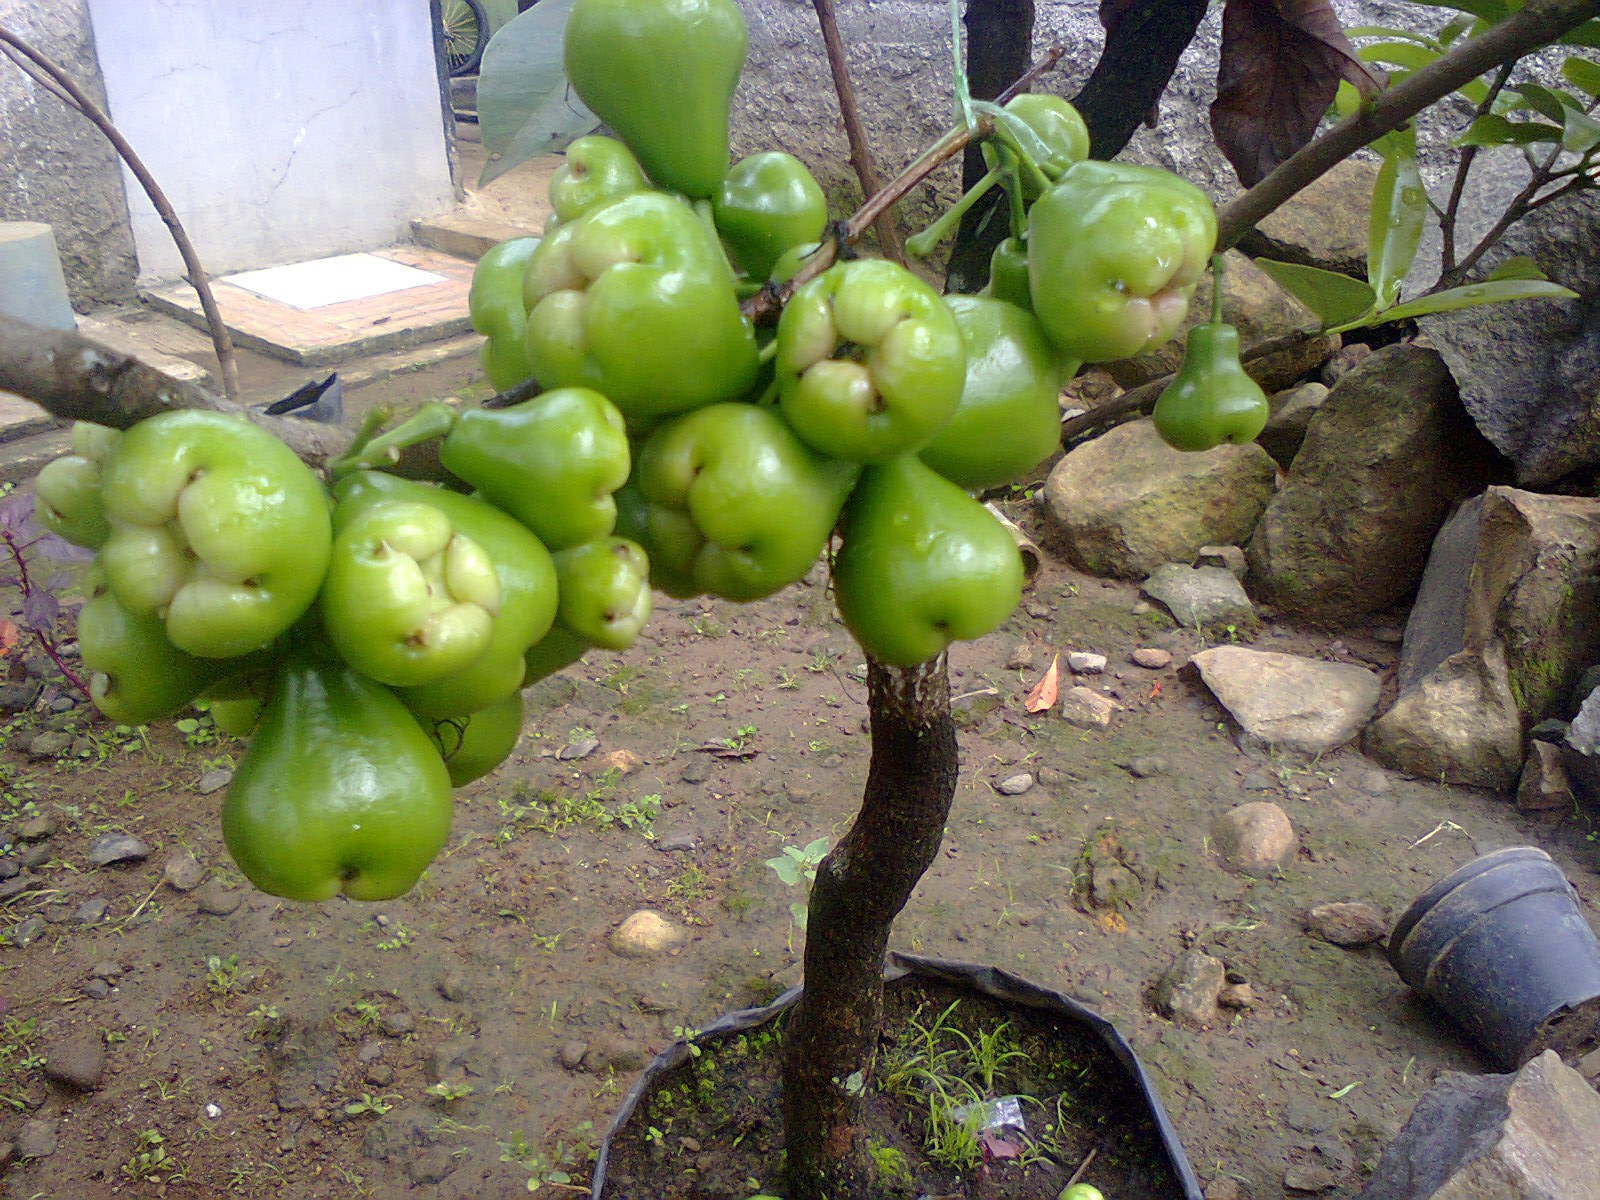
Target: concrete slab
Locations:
point(515, 205)
point(338, 332)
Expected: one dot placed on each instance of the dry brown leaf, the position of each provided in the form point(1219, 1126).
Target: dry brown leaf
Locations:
point(1043, 695)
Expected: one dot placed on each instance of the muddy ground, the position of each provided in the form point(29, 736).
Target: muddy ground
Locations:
point(283, 1050)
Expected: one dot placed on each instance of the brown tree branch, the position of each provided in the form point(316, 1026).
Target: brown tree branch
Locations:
point(56, 80)
point(1540, 22)
point(81, 380)
point(860, 153)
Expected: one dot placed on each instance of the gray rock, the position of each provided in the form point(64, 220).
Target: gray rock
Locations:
point(1151, 658)
point(1544, 785)
point(1348, 923)
point(92, 911)
point(453, 987)
point(1188, 991)
point(96, 989)
point(1255, 839)
point(1519, 567)
point(398, 1024)
point(581, 748)
point(1290, 703)
point(1528, 371)
point(1015, 785)
point(1087, 708)
point(1534, 1135)
point(214, 781)
point(1082, 662)
point(696, 770)
point(1310, 1177)
point(13, 887)
point(110, 849)
point(1580, 750)
point(1145, 766)
point(183, 872)
point(1292, 411)
point(14, 697)
point(1459, 724)
point(27, 931)
point(9, 868)
point(37, 1139)
point(1229, 558)
point(1384, 458)
point(1112, 885)
point(969, 709)
point(37, 828)
point(570, 1056)
point(52, 743)
point(79, 1063)
point(1021, 658)
point(1198, 597)
point(1344, 360)
point(37, 855)
point(678, 843)
point(1324, 225)
point(107, 970)
point(215, 900)
point(1126, 502)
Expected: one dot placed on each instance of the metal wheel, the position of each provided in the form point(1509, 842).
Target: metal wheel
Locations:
point(466, 33)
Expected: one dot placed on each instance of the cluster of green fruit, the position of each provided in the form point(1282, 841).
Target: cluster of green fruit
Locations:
point(373, 640)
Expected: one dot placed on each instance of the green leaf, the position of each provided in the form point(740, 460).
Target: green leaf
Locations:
point(1334, 298)
point(815, 851)
point(1587, 34)
point(1583, 74)
point(1582, 132)
point(1491, 130)
point(1489, 10)
point(799, 913)
point(1385, 31)
point(1543, 100)
point(786, 869)
point(1475, 90)
point(1394, 226)
point(187, 725)
point(1408, 55)
point(525, 106)
point(1520, 267)
point(1454, 28)
point(1498, 291)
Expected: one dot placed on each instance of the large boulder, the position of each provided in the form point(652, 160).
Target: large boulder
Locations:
point(1324, 225)
point(1288, 703)
point(1534, 1135)
point(1530, 371)
point(1127, 502)
point(1459, 724)
point(1384, 458)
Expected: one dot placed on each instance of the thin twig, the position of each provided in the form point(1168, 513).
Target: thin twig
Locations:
point(86, 106)
point(860, 153)
point(767, 303)
point(1541, 21)
point(45, 641)
point(1083, 1166)
point(1447, 219)
point(1519, 207)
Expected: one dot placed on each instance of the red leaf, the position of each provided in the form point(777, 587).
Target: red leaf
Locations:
point(1282, 61)
point(1043, 695)
point(8, 635)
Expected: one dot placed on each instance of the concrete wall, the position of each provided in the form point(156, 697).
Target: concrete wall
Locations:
point(280, 129)
point(900, 62)
point(54, 166)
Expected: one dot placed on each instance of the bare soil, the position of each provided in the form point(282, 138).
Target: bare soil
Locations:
point(282, 1050)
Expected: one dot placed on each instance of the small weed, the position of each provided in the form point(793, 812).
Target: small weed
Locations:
point(448, 1093)
point(889, 1165)
point(689, 885)
point(553, 1167)
point(401, 937)
point(786, 681)
point(794, 864)
point(149, 1157)
point(371, 1105)
point(222, 974)
point(741, 738)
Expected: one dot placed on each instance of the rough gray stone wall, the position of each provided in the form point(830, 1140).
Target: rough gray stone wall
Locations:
point(900, 62)
point(56, 167)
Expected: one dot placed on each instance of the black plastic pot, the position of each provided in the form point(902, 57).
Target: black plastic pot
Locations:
point(984, 981)
point(1501, 945)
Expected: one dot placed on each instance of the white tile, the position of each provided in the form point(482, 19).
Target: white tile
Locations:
point(337, 280)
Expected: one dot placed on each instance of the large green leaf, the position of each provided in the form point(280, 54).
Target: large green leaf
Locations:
point(525, 106)
point(1581, 134)
point(1407, 55)
point(1583, 74)
point(1587, 34)
point(1471, 295)
point(1545, 101)
point(1394, 225)
point(1492, 130)
point(1334, 298)
point(1385, 31)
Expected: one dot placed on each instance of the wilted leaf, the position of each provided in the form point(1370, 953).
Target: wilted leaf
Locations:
point(1333, 297)
point(8, 635)
point(525, 106)
point(1043, 695)
point(60, 550)
point(40, 610)
point(1282, 61)
point(16, 513)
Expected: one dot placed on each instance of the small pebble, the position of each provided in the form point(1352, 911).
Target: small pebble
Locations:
point(92, 911)
point(111, 848)
point(183, 872)
point(214, 781)
point(398, 1024)
point(1147, 765)
point(452, 987)
point(215, 900)
point(27, 931)
point(1021, 658)
point(37, 828)
point(107, 970)
point(1084, 663)
point(97, 989)
point(283, 941)
point(213, 1112)
point(571, 1054)
point(37, 855)
point(581, 748)
point(1151, 658)
point(1015, 785)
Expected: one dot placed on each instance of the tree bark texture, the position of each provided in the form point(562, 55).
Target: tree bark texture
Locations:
point(1142, 51)
point(999, 50)
point(831, 1041)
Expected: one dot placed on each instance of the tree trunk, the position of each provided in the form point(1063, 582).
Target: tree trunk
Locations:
point(999, 51)
point(831, 1041)
point(1142, 50)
